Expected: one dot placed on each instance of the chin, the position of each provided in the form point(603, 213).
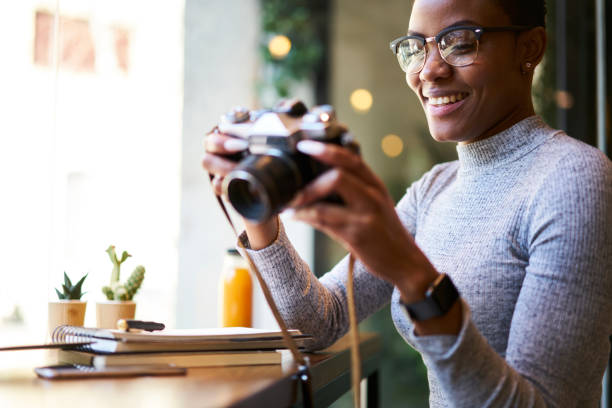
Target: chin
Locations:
point(446, 133)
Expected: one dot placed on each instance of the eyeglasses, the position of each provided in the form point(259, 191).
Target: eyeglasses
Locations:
point(458, 46)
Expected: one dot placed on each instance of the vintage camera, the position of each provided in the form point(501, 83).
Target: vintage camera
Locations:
point(271, 171)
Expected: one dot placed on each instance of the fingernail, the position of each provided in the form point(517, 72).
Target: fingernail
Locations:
point(235, 145)
point(289, 212)
point(310, 147)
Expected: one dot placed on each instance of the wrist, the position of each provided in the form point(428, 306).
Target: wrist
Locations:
point(414, 286)
point(439, 311)
point(450, 323)
point(261, 235)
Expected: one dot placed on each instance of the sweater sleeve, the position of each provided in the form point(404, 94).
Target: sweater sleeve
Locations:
point(562, 320)
point(316, 306)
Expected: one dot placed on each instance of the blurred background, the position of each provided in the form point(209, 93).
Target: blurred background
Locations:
point(104, 105)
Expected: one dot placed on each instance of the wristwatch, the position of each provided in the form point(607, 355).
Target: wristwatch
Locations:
point(439, 298)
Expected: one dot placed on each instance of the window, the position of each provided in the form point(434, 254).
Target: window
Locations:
point(90, 152)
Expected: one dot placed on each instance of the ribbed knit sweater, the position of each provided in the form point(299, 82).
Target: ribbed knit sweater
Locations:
point(522, 223)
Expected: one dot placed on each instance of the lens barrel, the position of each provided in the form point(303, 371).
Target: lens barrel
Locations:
point(261, 185)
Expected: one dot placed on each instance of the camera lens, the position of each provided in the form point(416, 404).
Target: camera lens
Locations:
point(247, 199)
point(262, 185)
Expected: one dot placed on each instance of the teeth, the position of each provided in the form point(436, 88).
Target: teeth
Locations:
point(444, 100)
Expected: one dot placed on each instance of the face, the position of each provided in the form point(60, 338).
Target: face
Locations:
point(490, 94)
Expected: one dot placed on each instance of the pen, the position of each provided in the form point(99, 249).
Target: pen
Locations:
point(65, 346)
point(128, 324)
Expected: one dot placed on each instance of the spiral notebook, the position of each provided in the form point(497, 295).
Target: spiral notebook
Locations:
point(177, 358)
point(227, 338)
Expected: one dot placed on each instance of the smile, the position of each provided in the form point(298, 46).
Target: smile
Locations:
point(448, 99)
point(444, 105)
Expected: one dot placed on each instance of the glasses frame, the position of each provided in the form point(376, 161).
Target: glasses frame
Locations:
point(478, 31)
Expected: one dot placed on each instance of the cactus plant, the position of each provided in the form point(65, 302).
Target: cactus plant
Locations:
point(127, 290)
point(70, 292)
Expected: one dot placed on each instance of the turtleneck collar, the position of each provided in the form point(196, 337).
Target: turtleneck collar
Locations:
point(504, 147)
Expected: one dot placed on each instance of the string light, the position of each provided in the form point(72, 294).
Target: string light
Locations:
point(361, 100)
point(279, 46)
point(392, 145)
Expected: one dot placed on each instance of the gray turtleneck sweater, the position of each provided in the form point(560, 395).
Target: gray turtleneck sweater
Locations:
point(522, 223)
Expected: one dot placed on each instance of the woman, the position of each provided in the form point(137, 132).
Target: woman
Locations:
point(519, 225)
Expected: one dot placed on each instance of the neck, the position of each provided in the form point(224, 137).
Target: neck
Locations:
point(521, 111)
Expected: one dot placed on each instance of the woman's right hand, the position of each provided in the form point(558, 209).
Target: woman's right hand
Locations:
point(218, 145)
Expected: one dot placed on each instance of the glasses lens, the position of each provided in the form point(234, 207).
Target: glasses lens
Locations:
point(459, 47)
point(411, 55)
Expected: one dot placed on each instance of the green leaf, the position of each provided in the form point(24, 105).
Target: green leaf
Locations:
point(67, 280)
point(59, 294)
point(112, 254)
point(79, 284)
point(124, 256)
point(75, 293)
point(108, 292)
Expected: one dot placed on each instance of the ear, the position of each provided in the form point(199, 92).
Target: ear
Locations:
point(531, 45)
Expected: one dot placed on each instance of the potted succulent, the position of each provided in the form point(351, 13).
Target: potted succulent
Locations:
point(69, 309)
point(119, 303)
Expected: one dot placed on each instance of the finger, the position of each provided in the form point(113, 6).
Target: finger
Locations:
point(219, 143)
point(338, 156)
point(355, 194)
point(217, 165)
point(333, 220)
point(217, 184)
point(323, 215)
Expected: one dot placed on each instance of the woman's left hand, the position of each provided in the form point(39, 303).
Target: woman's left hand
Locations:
point(367, 224)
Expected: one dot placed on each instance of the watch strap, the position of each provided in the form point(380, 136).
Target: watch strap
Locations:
point(439, 298)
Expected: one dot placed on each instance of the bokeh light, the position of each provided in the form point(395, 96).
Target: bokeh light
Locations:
point(564, 99)
point(392, 145)
point(279, 46)
point(361, 100)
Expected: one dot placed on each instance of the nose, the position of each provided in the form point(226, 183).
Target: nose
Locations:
point(435, 67)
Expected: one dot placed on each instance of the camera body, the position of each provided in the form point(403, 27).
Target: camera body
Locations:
point(271, 171)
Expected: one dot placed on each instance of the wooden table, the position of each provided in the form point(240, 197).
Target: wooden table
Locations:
point(238, 386)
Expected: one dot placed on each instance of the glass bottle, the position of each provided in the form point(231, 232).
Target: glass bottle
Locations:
point(235, 292)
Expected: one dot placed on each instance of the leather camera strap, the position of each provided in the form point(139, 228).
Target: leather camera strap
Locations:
point(303, 374)
point(354, 334)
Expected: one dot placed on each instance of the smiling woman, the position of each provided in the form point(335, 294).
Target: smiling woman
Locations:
point(494, 74)
point(496, 265)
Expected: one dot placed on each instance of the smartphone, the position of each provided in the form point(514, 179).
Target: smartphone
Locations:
point(56, 372)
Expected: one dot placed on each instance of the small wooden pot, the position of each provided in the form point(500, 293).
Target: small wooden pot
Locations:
point(108, 312)
point(70, 312)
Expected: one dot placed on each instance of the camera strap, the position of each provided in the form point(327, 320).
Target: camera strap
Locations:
point(303, 375)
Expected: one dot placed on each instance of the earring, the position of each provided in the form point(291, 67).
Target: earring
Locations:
point(528, 66)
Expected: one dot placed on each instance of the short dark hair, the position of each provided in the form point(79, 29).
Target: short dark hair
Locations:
point(525, 12)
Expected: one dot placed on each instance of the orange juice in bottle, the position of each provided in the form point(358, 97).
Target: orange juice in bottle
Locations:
point(235, 292)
